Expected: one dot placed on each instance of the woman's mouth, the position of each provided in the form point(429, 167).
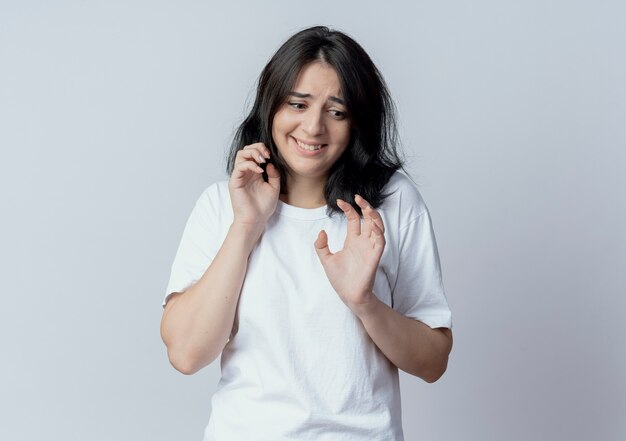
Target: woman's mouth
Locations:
point(309, 147)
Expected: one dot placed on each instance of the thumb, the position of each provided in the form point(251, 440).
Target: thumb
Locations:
point(321, 246)
point(273, 176)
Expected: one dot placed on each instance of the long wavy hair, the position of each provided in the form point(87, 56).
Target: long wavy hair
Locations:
point(372, 155)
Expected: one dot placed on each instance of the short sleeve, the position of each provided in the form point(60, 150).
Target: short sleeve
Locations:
point(418, 292)
point(200, 242)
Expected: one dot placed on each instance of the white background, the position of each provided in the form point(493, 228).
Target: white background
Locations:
point(114, 116)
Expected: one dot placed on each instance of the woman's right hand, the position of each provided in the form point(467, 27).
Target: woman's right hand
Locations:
point(253, 199)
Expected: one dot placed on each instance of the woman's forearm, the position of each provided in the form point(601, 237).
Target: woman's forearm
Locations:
point(409, 344)
point(196, 324)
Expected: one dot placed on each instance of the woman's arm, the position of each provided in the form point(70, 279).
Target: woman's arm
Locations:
point(409, 344)
point(196, 324)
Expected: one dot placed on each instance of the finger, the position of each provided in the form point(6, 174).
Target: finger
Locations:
point(369, 212)
point(321, 246)
point(260, 146)
point(250, 154)
point(354, 220)
point(366, 229)
point(255, 154)
point(241, 168)
point(378, 237)
point(273, 176)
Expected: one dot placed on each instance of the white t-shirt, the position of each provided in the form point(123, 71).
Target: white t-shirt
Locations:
point(299, 364)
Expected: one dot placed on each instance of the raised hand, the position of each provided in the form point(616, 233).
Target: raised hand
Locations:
point(352, 270)
point(253, 199)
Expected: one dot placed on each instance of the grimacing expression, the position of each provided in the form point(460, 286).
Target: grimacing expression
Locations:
point(311, 129)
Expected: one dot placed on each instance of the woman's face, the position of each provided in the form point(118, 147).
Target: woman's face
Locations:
point(311, 129)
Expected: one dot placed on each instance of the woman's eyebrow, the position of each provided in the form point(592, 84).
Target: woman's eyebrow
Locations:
point(308, 95)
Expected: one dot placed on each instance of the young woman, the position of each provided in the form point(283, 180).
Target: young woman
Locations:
point(313, 270)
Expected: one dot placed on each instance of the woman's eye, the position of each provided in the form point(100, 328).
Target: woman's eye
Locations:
point(297, 105)
point(338, 114)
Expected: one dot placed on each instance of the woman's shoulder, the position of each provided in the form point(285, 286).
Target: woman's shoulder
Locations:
point(213, 204)
point(216, 193)
point(403, 197)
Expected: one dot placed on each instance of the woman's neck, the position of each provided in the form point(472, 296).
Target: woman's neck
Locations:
point(304, 193)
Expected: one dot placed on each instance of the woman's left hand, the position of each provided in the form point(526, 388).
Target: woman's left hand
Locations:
point(352, 270)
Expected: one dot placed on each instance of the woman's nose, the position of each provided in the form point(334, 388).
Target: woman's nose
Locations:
point(314, 123)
